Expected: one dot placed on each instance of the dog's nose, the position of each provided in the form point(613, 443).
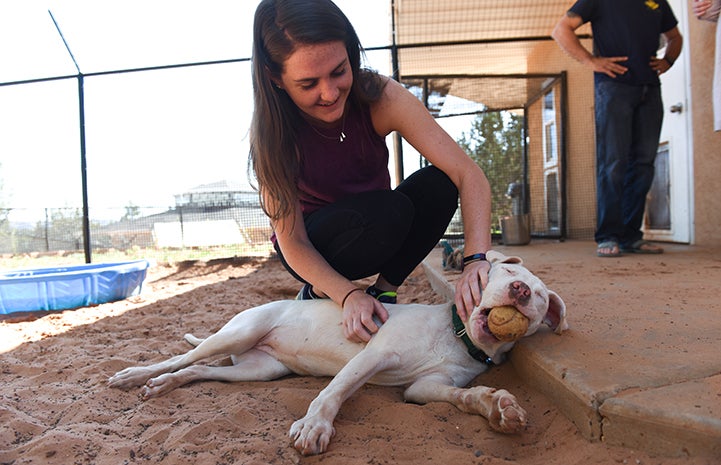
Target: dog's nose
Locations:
point(520, 292)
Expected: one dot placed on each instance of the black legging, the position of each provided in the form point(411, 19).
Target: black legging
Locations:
point(386, 232)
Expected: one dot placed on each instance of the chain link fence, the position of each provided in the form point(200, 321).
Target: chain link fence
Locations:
point(512, 124)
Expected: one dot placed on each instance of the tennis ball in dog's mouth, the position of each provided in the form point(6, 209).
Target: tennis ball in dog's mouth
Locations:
point(507, 323)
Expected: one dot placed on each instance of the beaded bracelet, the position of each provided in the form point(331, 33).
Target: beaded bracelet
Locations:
point(342, 304)
point(476, 257)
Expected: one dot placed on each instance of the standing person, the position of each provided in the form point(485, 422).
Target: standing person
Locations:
point(628, 107)
point(319, 155)
point(709, 11)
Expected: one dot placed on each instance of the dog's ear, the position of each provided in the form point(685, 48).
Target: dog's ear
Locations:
point(497, 257)
point(556, 315)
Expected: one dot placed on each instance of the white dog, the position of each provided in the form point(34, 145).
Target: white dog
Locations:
point(417, 347)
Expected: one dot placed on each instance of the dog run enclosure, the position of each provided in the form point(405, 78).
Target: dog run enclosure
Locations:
point(478, 66)
point(485, 58)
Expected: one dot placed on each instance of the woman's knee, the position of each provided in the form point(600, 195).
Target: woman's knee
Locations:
point(430, 183)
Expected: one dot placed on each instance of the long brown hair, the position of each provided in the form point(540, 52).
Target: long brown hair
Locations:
point(279, 27)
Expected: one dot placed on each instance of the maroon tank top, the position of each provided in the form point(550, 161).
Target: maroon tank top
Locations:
point(331, 170)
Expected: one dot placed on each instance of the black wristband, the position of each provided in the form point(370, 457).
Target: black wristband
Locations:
point(669, 61)
point(474, 258)
point(342, 304)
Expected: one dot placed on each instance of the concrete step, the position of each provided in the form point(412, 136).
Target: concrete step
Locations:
point(641, 365)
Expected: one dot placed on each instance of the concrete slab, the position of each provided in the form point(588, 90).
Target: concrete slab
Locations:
point(682, 419)
point(645, 329)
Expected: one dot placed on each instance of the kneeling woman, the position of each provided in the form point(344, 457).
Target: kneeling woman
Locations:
point(319, 155)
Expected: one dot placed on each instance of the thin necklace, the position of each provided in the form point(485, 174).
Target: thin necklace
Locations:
point(339, 138)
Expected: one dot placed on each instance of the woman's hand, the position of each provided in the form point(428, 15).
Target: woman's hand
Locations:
point(362, 316)
point(469, 288)
point(700, 7)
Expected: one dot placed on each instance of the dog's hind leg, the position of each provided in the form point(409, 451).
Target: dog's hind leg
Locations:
point(253, 365)
point(238, 336)
point(137, 376)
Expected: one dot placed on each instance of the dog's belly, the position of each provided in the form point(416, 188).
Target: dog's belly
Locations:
point(321, 363)
point(313, 357)
point(309, 340)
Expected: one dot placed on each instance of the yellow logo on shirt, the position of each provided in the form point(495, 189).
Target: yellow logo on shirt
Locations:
point(651, 5)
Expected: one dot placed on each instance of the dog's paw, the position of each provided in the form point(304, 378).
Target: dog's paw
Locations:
point(158, 386)
point(311, 436)
point(506, 415)
point(129, 378)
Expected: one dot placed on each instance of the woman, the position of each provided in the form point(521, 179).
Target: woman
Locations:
point(318, 153)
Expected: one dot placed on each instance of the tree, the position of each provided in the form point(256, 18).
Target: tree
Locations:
point(495, 143)
point(61, 230)
point(131, 211)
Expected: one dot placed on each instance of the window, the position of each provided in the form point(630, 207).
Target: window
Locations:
point(550, 162)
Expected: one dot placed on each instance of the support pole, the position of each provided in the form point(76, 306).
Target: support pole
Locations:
point(84, 171)
point(83, 158)
point(397, 140)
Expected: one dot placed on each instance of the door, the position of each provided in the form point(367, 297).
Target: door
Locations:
point(668, 205)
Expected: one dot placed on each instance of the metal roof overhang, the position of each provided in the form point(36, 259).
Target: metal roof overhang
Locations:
point(487, 39)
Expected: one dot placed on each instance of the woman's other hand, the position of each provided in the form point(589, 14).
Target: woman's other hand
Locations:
point(469, 288)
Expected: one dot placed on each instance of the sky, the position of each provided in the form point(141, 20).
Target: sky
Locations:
point(149, 135)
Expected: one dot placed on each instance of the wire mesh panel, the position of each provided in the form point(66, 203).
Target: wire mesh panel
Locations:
point(167, 146)
point(478, 57)
point(517, 140)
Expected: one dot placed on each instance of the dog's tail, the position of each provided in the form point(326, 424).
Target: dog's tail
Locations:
point(192, 340)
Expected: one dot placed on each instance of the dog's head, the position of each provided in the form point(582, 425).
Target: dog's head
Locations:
point(510, 283)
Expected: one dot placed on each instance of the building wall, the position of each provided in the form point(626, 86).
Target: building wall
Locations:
point(706, 143)
point(580, 136)
point(535, 166)
point(538, 168)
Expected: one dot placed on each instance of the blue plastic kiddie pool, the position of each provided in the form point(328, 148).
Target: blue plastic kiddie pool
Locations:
point(70, 287)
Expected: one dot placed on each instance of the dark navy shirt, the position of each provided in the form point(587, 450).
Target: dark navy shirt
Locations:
point(629, 28)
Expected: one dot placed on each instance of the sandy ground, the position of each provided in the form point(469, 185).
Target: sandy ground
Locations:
point(57, 409)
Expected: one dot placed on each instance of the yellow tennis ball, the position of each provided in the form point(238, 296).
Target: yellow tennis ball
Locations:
point(507, 323)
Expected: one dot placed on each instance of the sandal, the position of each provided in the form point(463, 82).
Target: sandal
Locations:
point(642, 247)
point(615, 251)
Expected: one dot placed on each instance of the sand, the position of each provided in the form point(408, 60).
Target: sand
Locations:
point(57, 409)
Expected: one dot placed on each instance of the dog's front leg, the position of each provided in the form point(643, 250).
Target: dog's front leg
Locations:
point(497, 405)
point(313, 432)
